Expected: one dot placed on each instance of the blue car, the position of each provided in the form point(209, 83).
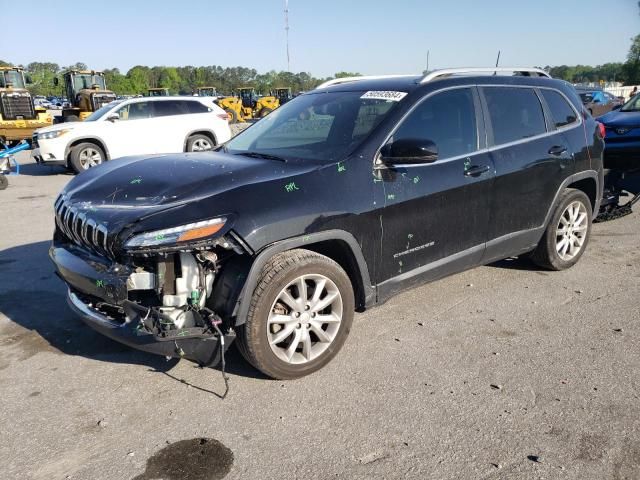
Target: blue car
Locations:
point(621, 158)
point(623, 136)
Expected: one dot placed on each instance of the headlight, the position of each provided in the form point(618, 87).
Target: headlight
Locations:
point(54, 134)
point(183, 233)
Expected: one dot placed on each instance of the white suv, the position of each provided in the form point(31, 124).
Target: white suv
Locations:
point(133, 127)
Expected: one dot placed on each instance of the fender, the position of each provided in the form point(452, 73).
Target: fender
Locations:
point(93, 138)
point(244, 299)
point(199, 130)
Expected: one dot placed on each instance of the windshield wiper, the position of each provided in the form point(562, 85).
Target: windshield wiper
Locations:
point(261, 155)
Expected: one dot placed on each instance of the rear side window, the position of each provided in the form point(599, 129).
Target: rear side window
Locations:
point(166, 108)
point(561, 111)
point(196, 107)
point(515, 113)
point(448, 119)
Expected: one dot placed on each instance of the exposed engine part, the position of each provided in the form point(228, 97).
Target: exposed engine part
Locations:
point(618, 184)
point(141, 281)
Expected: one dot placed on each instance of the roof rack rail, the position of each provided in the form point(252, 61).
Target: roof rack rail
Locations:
point(526, 71)
point(337, 81)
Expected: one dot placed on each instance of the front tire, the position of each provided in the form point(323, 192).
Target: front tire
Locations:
point(300, 315)
point(199, 143)
point(265, 111)
point(86, 155)
point(566, 237)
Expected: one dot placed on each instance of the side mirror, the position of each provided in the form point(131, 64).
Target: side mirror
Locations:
point(113, 117)
point(56, 81)
point(617, 107)
point(28, 80)
point(409, 151)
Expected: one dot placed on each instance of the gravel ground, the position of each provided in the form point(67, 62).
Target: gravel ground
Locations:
point(505, 371)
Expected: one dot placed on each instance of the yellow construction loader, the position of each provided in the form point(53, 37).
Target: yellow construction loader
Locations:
point(86, 91)
point(245, 104)
point(206, 92)
point(158, 92)
point(19, 117)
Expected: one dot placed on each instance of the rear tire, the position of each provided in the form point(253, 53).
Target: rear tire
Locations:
point(199, 143)
point(299, 317)
point(4, 183)
point(86, 155)
point(566, 237)
point(232, 114)
point(71, 118)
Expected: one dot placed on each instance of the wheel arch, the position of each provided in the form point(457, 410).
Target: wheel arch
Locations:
point(207, 133)
point(95, 140)
point(338, 245)
point(589, 187)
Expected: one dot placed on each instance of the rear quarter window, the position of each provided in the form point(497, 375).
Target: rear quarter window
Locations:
point(197, 107)
point(515, 113)
point(561, 111)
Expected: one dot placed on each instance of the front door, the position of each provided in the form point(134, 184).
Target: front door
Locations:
point(435, 215)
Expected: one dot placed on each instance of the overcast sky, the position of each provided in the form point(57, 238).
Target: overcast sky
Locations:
point(367, 36)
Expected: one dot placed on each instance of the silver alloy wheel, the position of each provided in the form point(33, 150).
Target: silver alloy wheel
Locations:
point(201, 145)
point(572, 230)
point(304, 319)
point(89, 157)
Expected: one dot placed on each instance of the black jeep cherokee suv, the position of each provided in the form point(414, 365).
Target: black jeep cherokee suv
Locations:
point(329, 205)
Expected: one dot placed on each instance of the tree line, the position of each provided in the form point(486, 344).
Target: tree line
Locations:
point(185, 80)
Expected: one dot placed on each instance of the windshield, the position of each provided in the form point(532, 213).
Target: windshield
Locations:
point(81, 81)
point(320, 126)
point(632, 105)
point(11, 77)
point(101, 111)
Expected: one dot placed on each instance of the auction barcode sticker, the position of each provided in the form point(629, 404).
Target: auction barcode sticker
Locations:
point(385, 95)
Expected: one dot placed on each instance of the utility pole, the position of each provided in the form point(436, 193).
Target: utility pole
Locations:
point(286, 29)
point(427, 61)
point(498, 59)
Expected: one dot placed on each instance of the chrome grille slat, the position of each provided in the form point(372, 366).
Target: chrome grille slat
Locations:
point(81, 230)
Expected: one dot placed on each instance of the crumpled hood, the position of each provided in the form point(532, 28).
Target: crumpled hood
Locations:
point(617, 118)
point(124, 190)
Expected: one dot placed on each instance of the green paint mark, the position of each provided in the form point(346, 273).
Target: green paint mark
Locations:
point(100, 283)
point(159, 237)
point(391, 196)
point(306, 238)
point(416, 179)
point(136, 180)
point(290, 187)
point(410, 236)
point(341, 167)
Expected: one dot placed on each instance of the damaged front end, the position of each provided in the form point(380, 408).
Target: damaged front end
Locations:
point(159, 291)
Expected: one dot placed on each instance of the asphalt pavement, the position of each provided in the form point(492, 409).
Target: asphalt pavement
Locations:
point(502, 372)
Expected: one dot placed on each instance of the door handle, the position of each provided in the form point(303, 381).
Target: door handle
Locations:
point(557, 150)
point(476, 170)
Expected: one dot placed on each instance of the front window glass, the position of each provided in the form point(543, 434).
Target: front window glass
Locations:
point(448, 119)
point(81, 81)
point(632, 105)
point(317, 126)
point(101, 111)
point(11, 77)
point(134, 111)
point(515, 113)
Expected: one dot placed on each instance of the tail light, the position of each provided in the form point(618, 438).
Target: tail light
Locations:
point(602, 130)
point(223, 116)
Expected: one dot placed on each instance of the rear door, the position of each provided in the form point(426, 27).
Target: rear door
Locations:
point(531, 160)
point(172, 123)
point(436, 215)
